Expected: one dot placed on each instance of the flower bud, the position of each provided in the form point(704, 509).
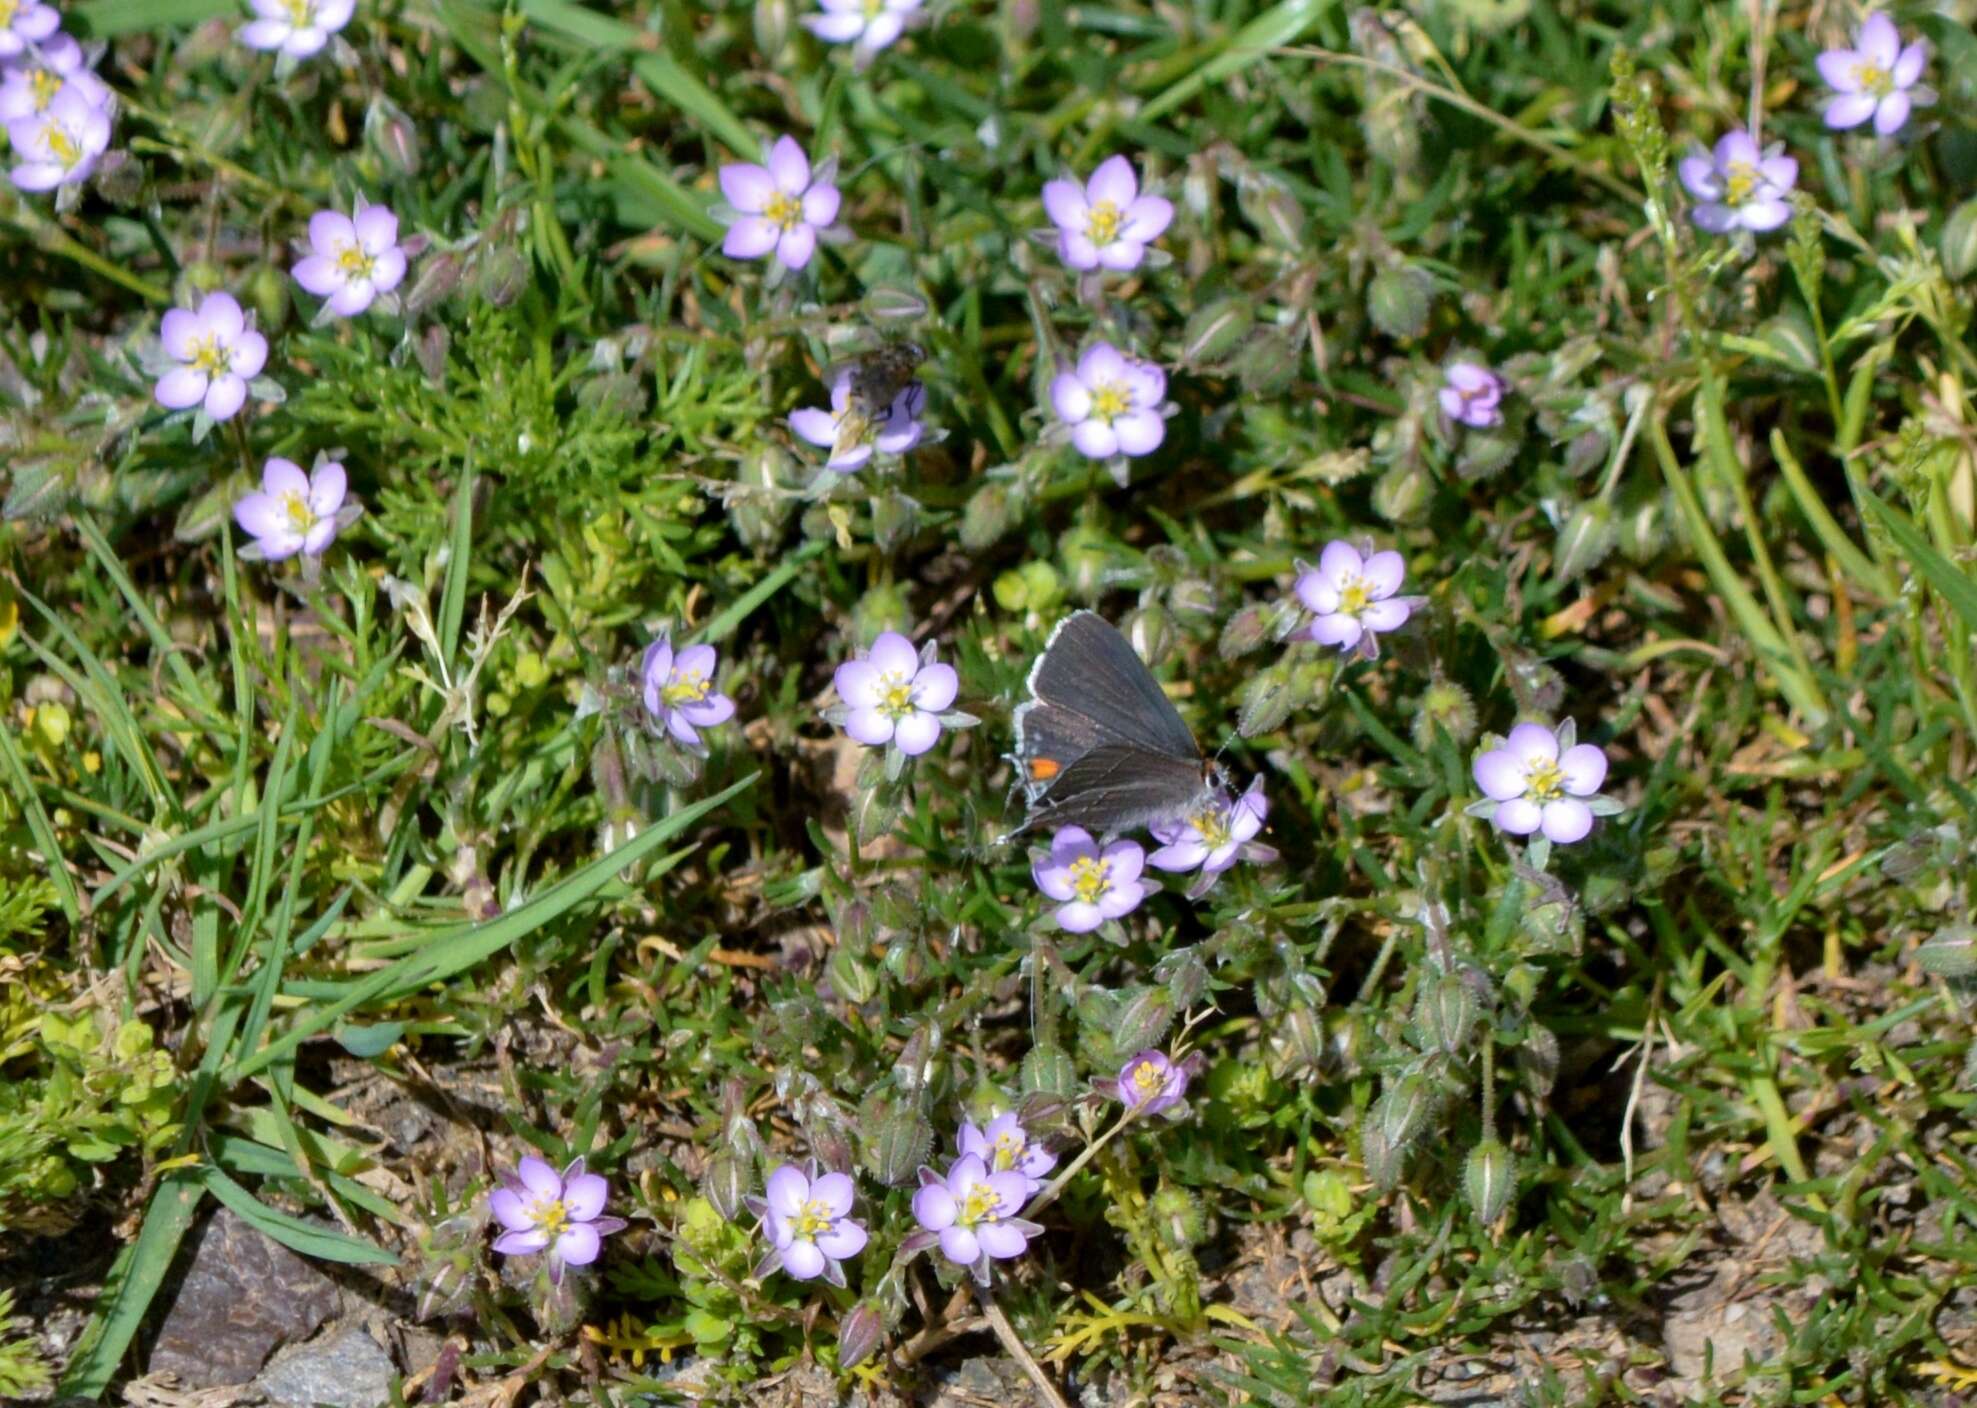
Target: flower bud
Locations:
point(1085, 560)
point(1401, 1113)
point(500, 274)
point(987, 516)
point(1267, 363)
point(1448, 704)
point(1177, 1217)
point(1215, 329)
point(438, 277)
point(1186, 977)
point(1485, 453)
point(1490, 1180)
point(894, 518)
point(854, 980)
point(1446, 1014)
point(119, 178)
point(1267, 700)
point(1538, 1058)
point(1950, 953)
point(1588, 536)
point(1049, 1070)
point(918, 1059)
point(1401, 494)
point(771, 21)
point(897, 1142)
point(1151, 630)
point(894, 303)
point(883, 608)
point(1267, 203)
point(1243, 632)
point(1303, 1036)
point(1143, 1019)
point(1959, 241)
point(268, 294)
point(1398, 301)
point(725, 1184)
point(859, 1334)
point(1382, 1159)
point(1790, 335)
point(391, 133)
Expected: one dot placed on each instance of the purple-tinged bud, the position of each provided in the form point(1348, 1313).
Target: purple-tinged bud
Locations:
point(853, 979)
point(391, 132)
point(914, 1070)
point(1244, 632)
point(859, 1335)
point(726, 1184)
point(431, 349)
point(500, 274)
point(438, 277)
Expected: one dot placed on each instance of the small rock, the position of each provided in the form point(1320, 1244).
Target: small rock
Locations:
point(345, 1368)
point(241, 1296)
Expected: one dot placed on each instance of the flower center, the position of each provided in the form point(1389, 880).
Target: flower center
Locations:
point(43, 83)
point(689, 688)
point(978, 1204)
point(300, 516)
point(1103, 222)
point(873, 9)
point(1544, 781)
point(1008, 1152)
point(355, 262)
point(301, 13)
point(1213, 828)
point(1090, 878)
point(1874, 79)
point(209, 357)
point(1110, 399)
point(895, 695)
point(1354, 596)
point(550, 1216)
point(8, 9)
point(61, 145)
point(813, 1220)
point(1148, 1079)
point(783, 210)
point(1740, 183)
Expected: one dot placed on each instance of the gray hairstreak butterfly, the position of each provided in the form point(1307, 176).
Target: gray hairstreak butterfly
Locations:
point(1098, 743)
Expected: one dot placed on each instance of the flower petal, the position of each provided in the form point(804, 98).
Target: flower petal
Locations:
point(751, 237)
point(1079, 917)
point(329, 231)
point(1070, 397)
point(836, 29)
point(869, 726)
point(1699, 178)
point(959, 1245)
point(1499, 774)
point(1146, 218)
point(1891, 114)
point(584, 1196)
point(280, 476)
point(1113, 181)
point(539, 1178)
point(318, 274)
point(1878, 41)
point(1532, 743)
point(1908, 68)
point(250, 354)
point(1584, 768)
point(1384, 615)
point(1567, 820)
point(747, 186)
point(796, 246)
point(225, 397)
point(935, 687)
point(1339, 564)
point(1064, 203)
point(181, 387)
point(820, 205)
point(803, 1261)
point(178, 330)
point(1519, 816)
point(1337, 629)
point(1077, 251)
point(1840, 69)
point(815, 424)
point(1000, 1240)
point(506, 1205)
point(1095, 440)
point(835, 1191)
point(934, 1207)
point(1850, 110)
point(1139, 432)
point(1762, 215)
point(376, 227)
point(789, 167)
point(1384, 573)
point(845, 1239)
point(787, 1190)
point(327, 487)
point(857, 683)
point(893, 654)
point(521, 1243)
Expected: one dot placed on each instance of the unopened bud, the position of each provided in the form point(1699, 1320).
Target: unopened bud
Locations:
point(1490, 1180)
point(1049, 1070)
point(392, 134)
point(725, 1184)
point(1951, 953)
point(858, 1335)
point(1143, 1019)
point(1267, 700)
point(855, 980)
point(500, 274)
point(1215, 330)
point(1446, 1014)
point(898, 1143)
point(987, 516)
point(1401, 494)
point(1398, 301)
point(438, 277)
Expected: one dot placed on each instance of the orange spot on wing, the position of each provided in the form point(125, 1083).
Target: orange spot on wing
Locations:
point(1043, 769)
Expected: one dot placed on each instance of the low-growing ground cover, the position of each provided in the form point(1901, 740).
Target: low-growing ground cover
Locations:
point(537, 861)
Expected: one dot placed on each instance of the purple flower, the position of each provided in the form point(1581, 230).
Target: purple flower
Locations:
point(679, 690)
point(1149, 1083)
point(1352, 597)
point(31, 79)
point(973, 1214)
point(1005, 1147)
point(781, 206)
point(294, 512)
point(1111, 402)
point(61, 145)
point(1089, 884)
point(297, 28)
point(354, 259)
point(1539, 779)
point(1214, 838)
point(849, 434)
point(25, 22)
point(221, 353)
point(1107, 222)
point(1739, 187)
point(896, 694)
point(806, 1218)
point(1471, 394)
point(544, 1211)
point(872, 24)
point(1876, 78)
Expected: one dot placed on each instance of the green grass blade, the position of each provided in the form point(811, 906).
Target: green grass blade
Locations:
point(133, 1281)
point(43, 830)
point(1272, 29)
point(323, 1243)
point(1951, 582)
point(105, 18)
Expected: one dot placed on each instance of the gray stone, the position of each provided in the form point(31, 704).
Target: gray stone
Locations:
point(345, 1368)
point(242, 1295)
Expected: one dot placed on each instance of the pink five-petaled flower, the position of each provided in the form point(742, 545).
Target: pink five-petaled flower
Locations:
point(780, 207)
point(221, 353)
point(807, 1219)
point(869, 25)
point(30, 81)
point(895, 694)
point(1214, 838)
point(972, 1213)
point(848, 433)
point(1876, 78)
point(1351, 597)
point(25, 22)
point(295, 28)
point(679, 690)
point(1539, 779)
point(1006, 1147)
point(1738, 187)
point(1106, 222)
point(1111, 402)
point(1149, 1084)
point(1471, 394)
point(561, 1214)
point(1090, 885)
point(294, 512)
point(354, 259)
point(60, 145)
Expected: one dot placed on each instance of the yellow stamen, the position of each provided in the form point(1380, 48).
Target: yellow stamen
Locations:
point(895, 695)
point(979, 1205)
point(61, 145)
point(1102, 224)
point(1354, 596)
point(1740, 183)
point(8, 9)
point(1212, 826)
point(812, 1221)
point(209, 357)
point(1008, 1150)
point(689, 688)
point(550, 1217)
point(1109, 400)
point(301, 13)
point(1544, 781)
point(300, 516)
point(43, 83)
point(355, 261)
point(1874, 79)
point(1090, 878)
point(783, 210)
point(1148, 1080)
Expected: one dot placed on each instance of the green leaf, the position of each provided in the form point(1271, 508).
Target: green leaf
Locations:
point(133, 1281)
point(364, 1042)
point(323, 1243)
point(104, 18)
point(1938, 571)
point(1272, 29)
